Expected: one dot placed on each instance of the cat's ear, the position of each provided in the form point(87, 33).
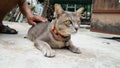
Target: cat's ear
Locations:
point(58, 10)
point(79, 11)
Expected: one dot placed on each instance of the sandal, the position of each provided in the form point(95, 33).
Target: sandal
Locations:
point(7, 30)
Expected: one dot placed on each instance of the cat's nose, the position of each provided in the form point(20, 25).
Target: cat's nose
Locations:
point(76, 28)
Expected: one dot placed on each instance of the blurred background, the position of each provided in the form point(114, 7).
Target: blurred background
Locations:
point(37, 7)
point(45, 8)
point(16, 16)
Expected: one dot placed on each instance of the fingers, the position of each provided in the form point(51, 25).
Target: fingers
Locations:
point(31, 22)
point(40, 19)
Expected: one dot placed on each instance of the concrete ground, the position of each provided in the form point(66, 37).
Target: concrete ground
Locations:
point(98, 51)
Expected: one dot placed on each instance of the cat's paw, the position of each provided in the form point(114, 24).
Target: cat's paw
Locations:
point(48, 52)
point(75, 50)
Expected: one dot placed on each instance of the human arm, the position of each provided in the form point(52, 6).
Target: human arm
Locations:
point(25, 9)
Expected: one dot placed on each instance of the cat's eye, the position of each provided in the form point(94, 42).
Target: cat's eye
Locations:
point(68, 22)
point(78, 22)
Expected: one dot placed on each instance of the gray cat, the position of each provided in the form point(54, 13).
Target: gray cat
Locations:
point(56, 34)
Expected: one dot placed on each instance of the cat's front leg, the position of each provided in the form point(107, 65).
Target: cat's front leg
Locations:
point(73, 48)
point(45, 48)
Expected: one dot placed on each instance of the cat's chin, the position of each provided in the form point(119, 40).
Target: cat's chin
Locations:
point(74, 32)
point(69, 34)
point(66, 35)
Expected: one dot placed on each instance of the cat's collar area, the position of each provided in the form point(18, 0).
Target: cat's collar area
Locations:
point(54, 30)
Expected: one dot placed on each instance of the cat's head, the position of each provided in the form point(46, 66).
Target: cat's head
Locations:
point(67, 22)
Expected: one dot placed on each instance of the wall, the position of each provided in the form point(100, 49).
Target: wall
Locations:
point(105, 18)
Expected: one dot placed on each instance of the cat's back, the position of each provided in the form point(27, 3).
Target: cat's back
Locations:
point(37, 30)
point(40, 26)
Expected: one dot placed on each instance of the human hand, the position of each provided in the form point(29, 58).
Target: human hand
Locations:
point(31, 19)
point(34, 18)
